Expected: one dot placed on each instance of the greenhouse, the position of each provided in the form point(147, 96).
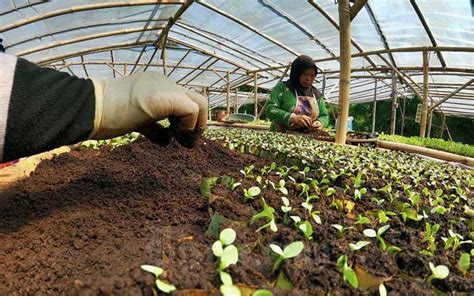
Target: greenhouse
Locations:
point(251, 147)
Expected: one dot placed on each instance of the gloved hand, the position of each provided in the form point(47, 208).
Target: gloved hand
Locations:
point(136, 102)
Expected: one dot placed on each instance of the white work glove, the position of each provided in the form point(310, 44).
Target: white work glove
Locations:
point(138, 101)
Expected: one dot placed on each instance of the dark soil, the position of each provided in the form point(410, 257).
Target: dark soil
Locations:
point(85, 222)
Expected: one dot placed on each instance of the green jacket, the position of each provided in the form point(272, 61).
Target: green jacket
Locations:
point(282, 100)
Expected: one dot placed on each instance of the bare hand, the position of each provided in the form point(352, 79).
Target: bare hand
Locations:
point(301, 120)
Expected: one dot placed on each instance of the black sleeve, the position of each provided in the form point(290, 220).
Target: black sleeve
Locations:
point(47, 109)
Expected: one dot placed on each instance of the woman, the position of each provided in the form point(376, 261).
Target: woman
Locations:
point(296, 104)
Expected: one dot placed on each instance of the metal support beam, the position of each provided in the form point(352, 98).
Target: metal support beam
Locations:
point(228, 93)
point(113, 61)
point(246, 25)
point(336, 25)
point(379, 30)
point(428, 31)
point(84, 66)
point(82, 8)
point(255, 94)
point(374, 109)
point(202, 64)
point(451, 94)
point(424, 100)
point(393, 115)
point(160, 40)
point(87, 38)
point(345, 81)
point(179, 62)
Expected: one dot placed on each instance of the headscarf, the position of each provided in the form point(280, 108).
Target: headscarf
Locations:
point(299, 65)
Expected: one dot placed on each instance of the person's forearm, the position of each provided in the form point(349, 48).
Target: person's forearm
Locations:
point(41, 108)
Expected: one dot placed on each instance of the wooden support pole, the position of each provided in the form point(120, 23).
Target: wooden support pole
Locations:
point(393, 115)
point(228, 93)
point(236, 101)
point(443, 122)
point(255, 94)
point(403, 115)
point(430, 121)
point(358, 5)
point(424, 99)
point(374, 109)
point(345, 81)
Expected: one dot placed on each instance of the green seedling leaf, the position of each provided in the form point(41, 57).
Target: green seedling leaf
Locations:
point(359, 245)
point(338, 227)
point(382, 217)
point(370, 232)
point(283, 282)
point(277, 249)
point(213, 229)
point(254, 191)
point(262, 292)
point(293, 249)
point(206, 186)
point(157, 271)
point(362, 220)
point(307, 229)
point(164, 286)
point(227, 236)
point(382, 230)
point(226, 279)
point(439, 272)
point(382, 290)
point(350, 276)
point(230, 256)
point(464, 263)
point(296, 219)
point(217, 249)
point(330, 191)
point(230, 290)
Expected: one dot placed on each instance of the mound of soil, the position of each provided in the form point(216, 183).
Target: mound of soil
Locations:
point(85, 221)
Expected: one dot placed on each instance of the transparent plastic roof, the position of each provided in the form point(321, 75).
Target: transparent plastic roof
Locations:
point(210, 43)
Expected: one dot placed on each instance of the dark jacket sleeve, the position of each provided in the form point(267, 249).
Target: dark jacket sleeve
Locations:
point(47, 109)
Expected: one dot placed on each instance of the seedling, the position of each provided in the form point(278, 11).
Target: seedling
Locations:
point(359, 193)
point(247, 171)
point(162, 285)
point(228, 255)
point(362, 220)
point(285, 208)
point(429, 236)
point(268, 213)
point(464, 263)
point(330, 191)
point(251, 193)
point(267, 169)
point(359, 245)
point(348, 274)
point(281, 186)
point(341, 229)
point(290, 251)
point(438, 272)
point(307, 229)
point(383, 216)
point(454, 241)
point(371, 233)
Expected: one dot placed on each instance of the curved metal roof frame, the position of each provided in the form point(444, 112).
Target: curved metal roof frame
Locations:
point(241, 46)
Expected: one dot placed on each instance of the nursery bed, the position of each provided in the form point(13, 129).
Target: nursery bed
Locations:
point(85, 221)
